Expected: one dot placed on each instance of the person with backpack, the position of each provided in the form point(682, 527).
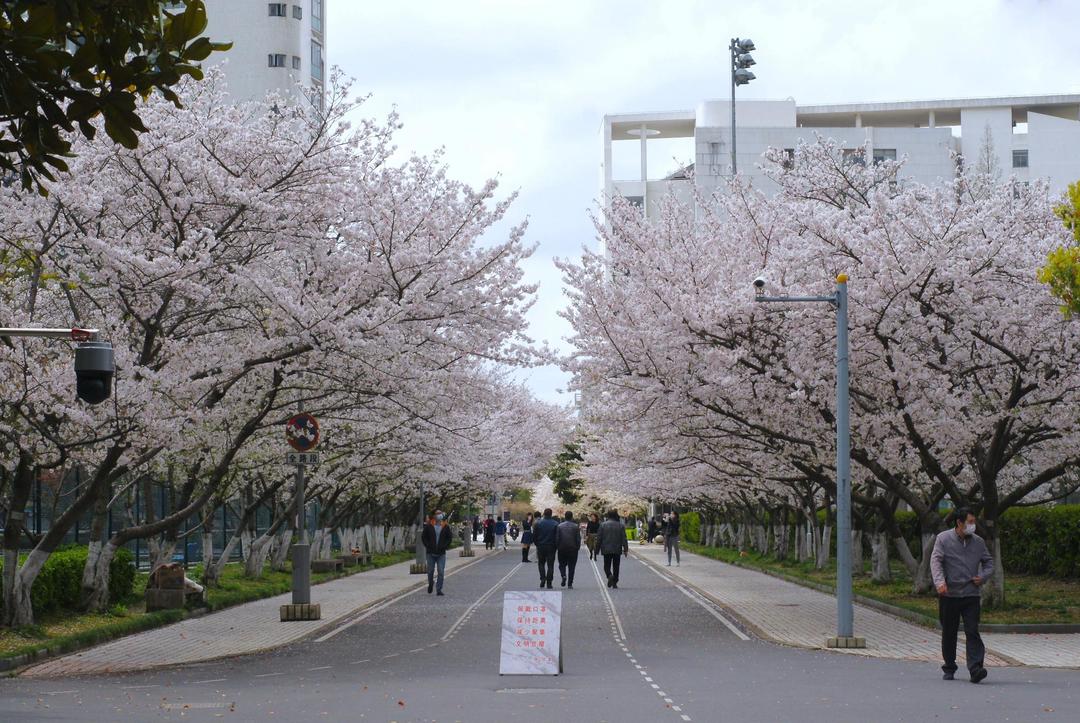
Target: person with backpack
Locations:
point(567, 544)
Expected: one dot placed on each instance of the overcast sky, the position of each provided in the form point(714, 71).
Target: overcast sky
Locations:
point(517, 89)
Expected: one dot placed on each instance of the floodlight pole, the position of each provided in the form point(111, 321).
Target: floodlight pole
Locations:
point(845, 613)
point(734, 64)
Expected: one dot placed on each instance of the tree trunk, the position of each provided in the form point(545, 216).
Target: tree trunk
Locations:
point(18, 609)
point(879, 552)
point(824, 545)
point(212, 572)
point(281, 549)
point(90, 593)
point(856, 552)
point(95, 592)
point(906, 557)
point(924, 581)
point(993, 591)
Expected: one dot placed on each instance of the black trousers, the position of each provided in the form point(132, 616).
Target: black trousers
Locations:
point(545, 559)
point(950, 612)
point(568, 562)
point(611, 565)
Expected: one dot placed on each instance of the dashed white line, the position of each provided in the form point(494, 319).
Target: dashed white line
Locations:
point(139, 687)
point(211, 680)
point(321, 667)
point(59, 692)
point(268, 675)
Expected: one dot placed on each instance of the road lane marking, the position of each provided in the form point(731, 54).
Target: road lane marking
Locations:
point(321, 667)
point(614, 614)
point(268, 675)
point(479, 601)
point(59, 692)
point(211, 680)
point(139, 687)
point(704, 602)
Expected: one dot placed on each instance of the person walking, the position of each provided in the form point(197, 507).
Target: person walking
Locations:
point(612, 542)
point(526, 537)
point(567, 544)
point(500, 533)
point(477, 528)
point(489, 533)
point(592, 529)
point(652, 528)
point(960, 564)
point(544, 531)
point(671, 538)
point(436, 537)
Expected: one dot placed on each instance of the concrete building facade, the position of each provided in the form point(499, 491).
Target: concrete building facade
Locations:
point(1031, 137)
point(276, 46)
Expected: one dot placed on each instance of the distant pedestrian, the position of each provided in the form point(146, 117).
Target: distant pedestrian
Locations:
point(526, 537)
point(567, 544)
point(960, 564)
point(671, 538)
point(500, 533)
point(544, 537)
point(489, 533)
point(436, 537)
point(477, 528)
point(653, 526)
point(592, 529)
point(612, 543)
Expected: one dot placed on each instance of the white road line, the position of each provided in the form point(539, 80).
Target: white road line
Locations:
point(139, 687)
point(479, 601)
point(712, 611)
point(268, 675)
point(321, 667)
point(211, 680)
point(357, 662)
point(417, 650)
point(611, 605)
point(59, 692)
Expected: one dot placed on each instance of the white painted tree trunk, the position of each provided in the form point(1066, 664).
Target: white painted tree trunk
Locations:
point(258, 550)
point(95, 590)
point(281, 550)
point(212, 575)
point(924, 579)
point(856, 552)
point(18, 609)
point(245, 544)
point(906, 557)
point(879, 553)
point(163, 554)
point(824, 546)
point(207, 550)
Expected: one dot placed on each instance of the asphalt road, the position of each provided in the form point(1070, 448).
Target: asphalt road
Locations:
point(649, 651)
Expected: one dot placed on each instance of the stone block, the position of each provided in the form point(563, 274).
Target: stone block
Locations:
point(326, 565)
point(842, 642)
point(300, 611)
point(350, 560)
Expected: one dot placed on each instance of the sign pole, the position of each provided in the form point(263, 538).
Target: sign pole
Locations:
point(302, 434)
point(301, 551)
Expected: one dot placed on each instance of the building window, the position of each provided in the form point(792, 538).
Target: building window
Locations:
point(296, 62)
point(884, 154)
point(316, 15)
point(278, 10)
point(316, 61)
point(298, 12)
point(1020, 159)
point(854, 156)
point(276, 60)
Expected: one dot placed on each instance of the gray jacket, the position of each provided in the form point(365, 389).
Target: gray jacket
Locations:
point(568, 536)
point(956, 561)
point(612, 538)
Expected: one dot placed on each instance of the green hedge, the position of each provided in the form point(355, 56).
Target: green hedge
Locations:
point(59, 584)
point(690, 526)
point(1042, 540)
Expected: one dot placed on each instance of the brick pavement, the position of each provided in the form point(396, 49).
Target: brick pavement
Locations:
point(790, 614)
point(242, 629)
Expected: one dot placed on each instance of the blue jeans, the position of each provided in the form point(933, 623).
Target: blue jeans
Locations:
point(432, 561)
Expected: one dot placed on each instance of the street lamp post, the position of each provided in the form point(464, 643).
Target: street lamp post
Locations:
point(845, 637)
point(740, 60)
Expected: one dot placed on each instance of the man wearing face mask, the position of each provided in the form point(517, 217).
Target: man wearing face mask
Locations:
point(960, 564)
point(436, 537)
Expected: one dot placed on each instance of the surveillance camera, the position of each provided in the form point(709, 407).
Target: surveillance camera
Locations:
point(94, 370)
point(759, 283)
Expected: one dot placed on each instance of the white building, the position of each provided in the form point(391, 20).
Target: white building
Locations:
point(1032, 137)
point(276, 45)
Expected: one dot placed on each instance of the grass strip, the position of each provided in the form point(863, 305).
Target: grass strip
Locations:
point(66, 631)
point(1029, 599)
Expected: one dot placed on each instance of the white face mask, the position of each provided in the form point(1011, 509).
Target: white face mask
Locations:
point(969, 529)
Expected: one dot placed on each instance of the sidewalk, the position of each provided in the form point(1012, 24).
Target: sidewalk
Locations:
point(243, 629)
point(790, 614)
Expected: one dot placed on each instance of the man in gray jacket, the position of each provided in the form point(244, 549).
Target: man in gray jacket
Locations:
point(612, 542)
point(960, 564)
point(567, 543)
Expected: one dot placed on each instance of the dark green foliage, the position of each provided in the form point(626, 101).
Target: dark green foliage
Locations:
point(1042, 540)
point(59, 584)
point(65, 62)
point(563, 472)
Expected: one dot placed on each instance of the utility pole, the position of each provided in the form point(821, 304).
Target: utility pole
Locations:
point(740, 61)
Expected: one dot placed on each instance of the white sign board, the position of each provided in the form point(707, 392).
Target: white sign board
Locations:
point(531, 633)
point(301, 458)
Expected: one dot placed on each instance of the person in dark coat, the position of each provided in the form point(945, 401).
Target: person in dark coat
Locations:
point(567, 544)
point(671, 537)
point(592, 530)
point(544, 538)
point(612, 543)
point(489, 533)
point(477, 528)
point(526, 537)
point(436, 538)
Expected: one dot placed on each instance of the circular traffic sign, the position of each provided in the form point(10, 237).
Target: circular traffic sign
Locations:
point(302, 432)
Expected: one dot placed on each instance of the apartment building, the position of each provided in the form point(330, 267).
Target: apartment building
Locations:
point(277, 46)
point(1031, 137)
